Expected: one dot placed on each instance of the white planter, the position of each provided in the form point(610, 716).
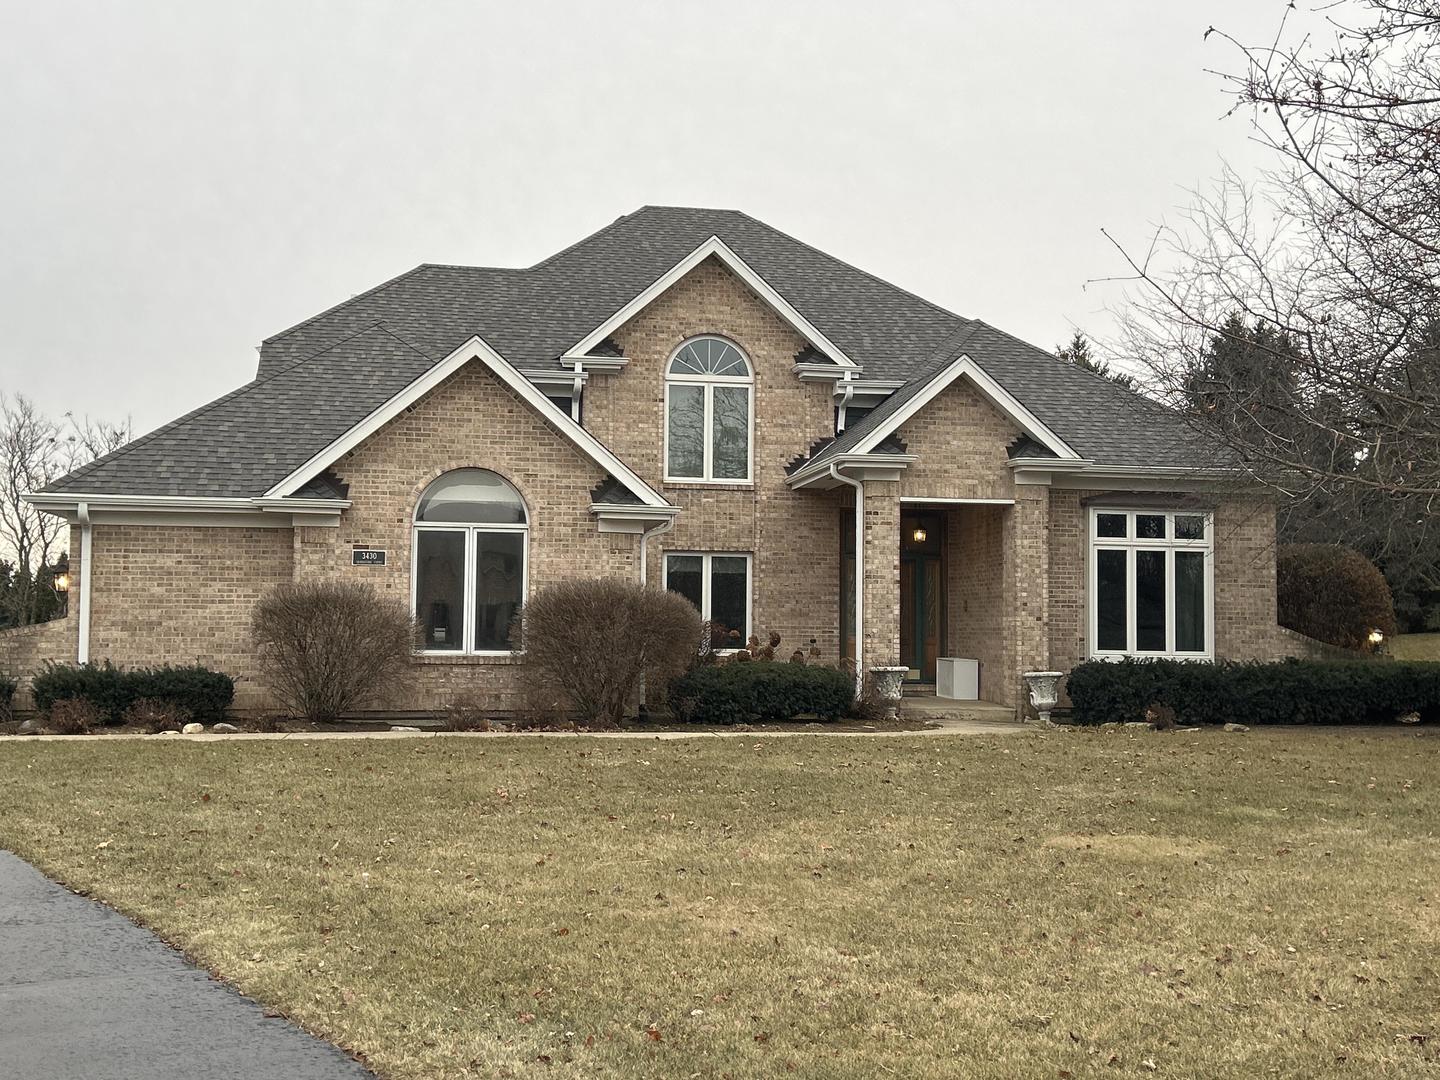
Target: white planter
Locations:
point(1044, 687)
point(888, 684)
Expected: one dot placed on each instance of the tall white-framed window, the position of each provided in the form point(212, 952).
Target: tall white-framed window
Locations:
point(468, 579)
point(718, 584)
point(709, 412)
point(1151, 583)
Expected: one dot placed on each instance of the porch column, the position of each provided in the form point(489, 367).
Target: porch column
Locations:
point(1026, 541)
point(882, 574)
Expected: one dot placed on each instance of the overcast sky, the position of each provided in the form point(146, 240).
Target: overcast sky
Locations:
point(181, 180)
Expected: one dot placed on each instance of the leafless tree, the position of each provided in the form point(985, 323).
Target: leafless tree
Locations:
point(34, 451)
point(1334, 255)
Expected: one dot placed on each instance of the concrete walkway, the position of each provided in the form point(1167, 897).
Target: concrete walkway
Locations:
point(85, 994)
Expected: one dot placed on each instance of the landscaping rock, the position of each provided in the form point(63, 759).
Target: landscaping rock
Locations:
point(168, 731)
point(1239, 728)
point(1408, 718)
point(398, 727)
point(192, 729)
point(1137, 724)
point(30, 727)
point(223, 728)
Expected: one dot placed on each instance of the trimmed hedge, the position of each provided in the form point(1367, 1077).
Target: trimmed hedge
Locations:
point(1333, 594)
point(1288, 692)
point(202, 694)
point(735, 693)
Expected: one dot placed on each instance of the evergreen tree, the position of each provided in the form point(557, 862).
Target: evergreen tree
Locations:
point(1078, 353)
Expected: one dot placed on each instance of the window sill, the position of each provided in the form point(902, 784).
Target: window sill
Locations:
point(711, 485)
point(470, 659)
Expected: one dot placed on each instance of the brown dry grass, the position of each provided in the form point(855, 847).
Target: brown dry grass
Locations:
point(1083, 904)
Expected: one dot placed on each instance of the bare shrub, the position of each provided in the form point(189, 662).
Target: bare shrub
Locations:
point(265, 723)
point(328, 647)
point(593, 642)
point(152, 715)
point(466, 712)
point(73, 716)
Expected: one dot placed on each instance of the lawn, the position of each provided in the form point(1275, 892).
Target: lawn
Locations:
point(1065, 905)
point(1415, 646)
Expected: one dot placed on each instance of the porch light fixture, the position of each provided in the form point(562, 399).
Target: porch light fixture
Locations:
point(61, 580)
point(1377, 637)
point(919, 536)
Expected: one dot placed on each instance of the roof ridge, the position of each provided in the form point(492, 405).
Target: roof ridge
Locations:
point(346, 303)
point(848, 265)
point(135, 444)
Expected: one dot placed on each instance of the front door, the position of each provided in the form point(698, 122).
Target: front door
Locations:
point(921, 595)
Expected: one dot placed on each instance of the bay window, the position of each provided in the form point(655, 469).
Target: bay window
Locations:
point(1151, 583)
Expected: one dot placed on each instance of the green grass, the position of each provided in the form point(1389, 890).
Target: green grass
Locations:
point(1087, 904)
point(1415, 646)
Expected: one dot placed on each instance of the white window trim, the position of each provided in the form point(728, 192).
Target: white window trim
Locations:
point(467, 639)
point(709, 382)
point(1131, 544)
point(705, 557)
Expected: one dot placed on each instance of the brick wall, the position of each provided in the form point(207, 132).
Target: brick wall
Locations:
point(961, 441)
point(882, 574)
point(976, 598)
point(792, 536)
point(183, 594)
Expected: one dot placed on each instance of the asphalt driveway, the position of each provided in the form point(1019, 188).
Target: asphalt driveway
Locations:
point(85, 994)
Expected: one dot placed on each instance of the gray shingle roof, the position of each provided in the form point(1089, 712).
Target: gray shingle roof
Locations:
point(320, 377)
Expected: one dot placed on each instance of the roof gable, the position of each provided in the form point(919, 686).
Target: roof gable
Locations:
point(715, 248)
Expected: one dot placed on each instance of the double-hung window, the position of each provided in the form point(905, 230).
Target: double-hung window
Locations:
point(709, 412)
point(719, 587)
point(471, 534)
point(1151, 583)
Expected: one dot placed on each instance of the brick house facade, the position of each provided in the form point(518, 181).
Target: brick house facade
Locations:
point(1011, 509)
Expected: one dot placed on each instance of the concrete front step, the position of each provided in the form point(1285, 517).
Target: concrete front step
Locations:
point(918, 707)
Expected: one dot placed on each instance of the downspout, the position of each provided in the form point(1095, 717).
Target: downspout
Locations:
point(859, 586)
point(82, 648)
point(645, 535)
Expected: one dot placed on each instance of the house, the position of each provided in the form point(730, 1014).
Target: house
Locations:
point(688, 398)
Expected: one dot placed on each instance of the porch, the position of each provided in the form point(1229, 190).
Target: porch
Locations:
point(950, 579)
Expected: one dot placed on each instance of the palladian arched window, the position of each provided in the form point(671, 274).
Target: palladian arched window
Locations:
point(471, 534)
point(709, 412)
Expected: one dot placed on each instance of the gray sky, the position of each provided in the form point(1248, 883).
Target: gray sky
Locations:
point(181, 180)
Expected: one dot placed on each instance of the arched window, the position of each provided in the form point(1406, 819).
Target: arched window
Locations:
point(709, 410)
point(471, 534)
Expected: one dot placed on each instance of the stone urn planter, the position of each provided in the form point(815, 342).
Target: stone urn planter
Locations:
point(1044, 687)
point(888, 682)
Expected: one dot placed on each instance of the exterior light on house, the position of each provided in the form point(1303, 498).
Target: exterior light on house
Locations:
point(1377, 638)
point(918, 536)
point(61, 580)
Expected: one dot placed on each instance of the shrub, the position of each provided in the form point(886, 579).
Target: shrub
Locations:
point(155, 714)
point(466, 712)
point(196, 691)
point(594, 641)
point(1332, 594)
point(761, 690)
point(8, 687)
point(328, 647)
point(1288, 692)
point(73, 716)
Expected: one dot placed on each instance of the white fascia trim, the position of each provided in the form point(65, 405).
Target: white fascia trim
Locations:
point(758, 285)
point(65, 501)
point(604, 364)
point(895, 463)
point(653, 513)
point(920, 500)
point(474, 349)
point(993, 392)
point(822, 372)
point(559, 377)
